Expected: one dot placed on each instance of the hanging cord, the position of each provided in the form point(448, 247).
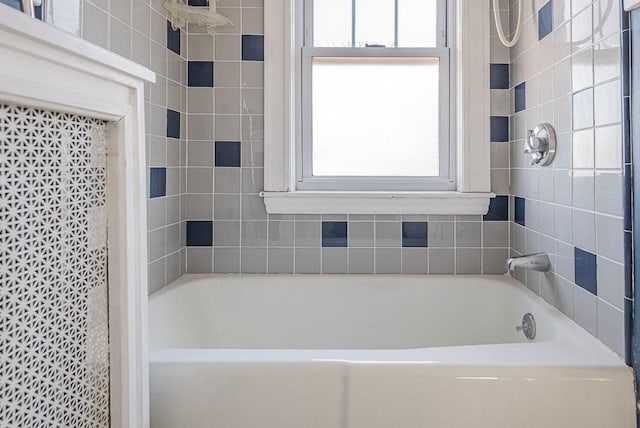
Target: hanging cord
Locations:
point(496, 15)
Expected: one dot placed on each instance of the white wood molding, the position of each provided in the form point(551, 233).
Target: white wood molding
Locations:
point(278, 96)
point(47, 68)
point(439, 203)
point(473, 96)
point(471, 134)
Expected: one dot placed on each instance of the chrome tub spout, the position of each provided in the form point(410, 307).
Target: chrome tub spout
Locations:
point(538, 262)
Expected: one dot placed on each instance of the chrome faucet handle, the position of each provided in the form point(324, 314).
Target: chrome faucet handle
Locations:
point(541, 144)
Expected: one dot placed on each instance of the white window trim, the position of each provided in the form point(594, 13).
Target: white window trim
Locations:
point(471, 132)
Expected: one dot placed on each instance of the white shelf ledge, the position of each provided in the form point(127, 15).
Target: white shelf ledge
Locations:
point(440, 203)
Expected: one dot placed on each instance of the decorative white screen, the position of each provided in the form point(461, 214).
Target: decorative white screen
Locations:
point(54, 342)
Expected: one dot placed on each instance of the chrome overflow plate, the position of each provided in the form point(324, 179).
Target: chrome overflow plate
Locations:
point(541, 144)
point(528, 326)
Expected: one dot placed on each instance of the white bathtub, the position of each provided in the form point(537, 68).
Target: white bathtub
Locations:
point(374, 351)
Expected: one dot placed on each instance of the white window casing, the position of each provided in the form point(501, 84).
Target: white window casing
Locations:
point(469, 130)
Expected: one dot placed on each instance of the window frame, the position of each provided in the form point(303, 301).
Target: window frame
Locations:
point(305, 179)
point(469, 119)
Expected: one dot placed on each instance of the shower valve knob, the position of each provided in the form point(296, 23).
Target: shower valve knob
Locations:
point(541, 144)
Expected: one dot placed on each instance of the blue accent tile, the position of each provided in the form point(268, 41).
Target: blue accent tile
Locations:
point(200, 74)
point(252, 48)
point(520, 97)
point(628, 331)
point(624, 63)
point(499, 76)
point(199, 3)
point(16, 4)
point(173, 39)
point(626, 130)
point(173, 124)
point(628, 265)
point(199, 233)
point(415, 234)
point(518, 208)
point(228, 153)
point(627, 202)
point(545, 20)
point(499, 129)
point(498, 209)
point(334, 233)
point(157, 182)
point(586, 272)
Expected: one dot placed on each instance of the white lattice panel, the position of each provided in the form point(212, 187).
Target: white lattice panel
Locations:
point(54, 350)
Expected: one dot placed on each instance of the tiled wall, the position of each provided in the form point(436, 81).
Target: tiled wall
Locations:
point(566, 70)
point(138, 30)
point(228, 228)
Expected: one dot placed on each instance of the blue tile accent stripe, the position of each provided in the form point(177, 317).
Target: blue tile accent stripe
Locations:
point(199, 233)
point(173, 39)
point(415, 234)
point(519, 210)
point(499, 129)
point(334, 233)
point(173, 124)
point(228, 153)
point(199, 3)
point(252, 48)
point(200, 74)
point(157, 182)
point(586, 271)
point(499, 76)
point(545, 20)
point(498, 209)
point(520, 99)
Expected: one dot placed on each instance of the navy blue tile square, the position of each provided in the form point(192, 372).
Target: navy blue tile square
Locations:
point(518, 208)
point(157, 182)
point(415, 234)
point(252, 48)
point(545, 20)
point(228, 153)
point(499, 76)
point(199, 233)
point(200, 74)
point(16, 4)
point(173, 124)
point(334, 233)
point(499, 129)
point(586, 270)
point(498, 209)
point(173, 38)
point(520, 97)
point(198, 2)
point(626, 129)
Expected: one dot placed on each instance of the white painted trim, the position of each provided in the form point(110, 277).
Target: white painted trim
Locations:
point(47, 68)
point(472, 134)
point(631, 4)
point(473, 96)
point(308, 202)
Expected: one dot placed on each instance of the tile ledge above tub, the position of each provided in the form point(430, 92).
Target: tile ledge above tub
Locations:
point(336, 202)
point(631, 4)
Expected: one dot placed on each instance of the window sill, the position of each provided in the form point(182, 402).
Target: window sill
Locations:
point(440, 203)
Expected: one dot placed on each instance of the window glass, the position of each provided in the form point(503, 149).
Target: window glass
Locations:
point(332, 23)
point(375, 22)
point(417, 23)
point(375, 116)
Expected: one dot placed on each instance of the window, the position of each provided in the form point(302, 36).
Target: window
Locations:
point(368, 106)
point(375, 96)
